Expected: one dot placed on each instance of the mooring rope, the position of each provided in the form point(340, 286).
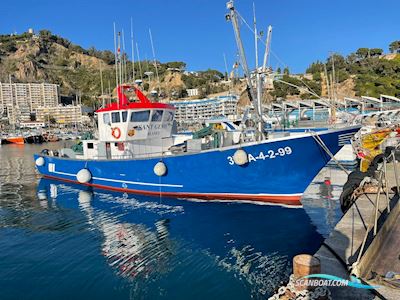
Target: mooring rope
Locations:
point(320, 142)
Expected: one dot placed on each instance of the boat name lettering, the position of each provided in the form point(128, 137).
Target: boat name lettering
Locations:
point(269, 154)
point(153, 126)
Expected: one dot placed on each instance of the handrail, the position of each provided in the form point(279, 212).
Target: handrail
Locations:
point(374, 217)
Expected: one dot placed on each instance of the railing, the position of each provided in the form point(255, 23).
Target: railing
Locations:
point(382, 186)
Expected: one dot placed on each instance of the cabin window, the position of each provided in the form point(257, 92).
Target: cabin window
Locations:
point(106, 118)
point(168, 116)
point(115, 117)
point(140, 116)
point(157, 115)
point(90, 145)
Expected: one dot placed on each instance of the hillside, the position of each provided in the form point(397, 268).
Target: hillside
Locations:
point(48, 57)
point(366, 72)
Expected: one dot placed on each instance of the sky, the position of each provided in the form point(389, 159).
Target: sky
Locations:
point(196, 32)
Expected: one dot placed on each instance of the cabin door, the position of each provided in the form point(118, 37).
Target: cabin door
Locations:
point(108, 150)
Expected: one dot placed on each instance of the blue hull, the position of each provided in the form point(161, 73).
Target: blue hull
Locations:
point(278, 171)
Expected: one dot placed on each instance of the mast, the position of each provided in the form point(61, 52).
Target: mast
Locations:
point(333, 116)
point(133, 53)
point(101, 83)
point(257, 72)
point(255, 36)
point(233, 17)
point(154, 59)
point(123, 56)
point(120, 59)
point(267, 48)
point(116, 57)
point(140, 65)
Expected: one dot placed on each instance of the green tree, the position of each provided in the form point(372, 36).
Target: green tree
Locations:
point(362, 53)
point(316, 67)
point(375, 51)
point(286, 71)
point(394, 47)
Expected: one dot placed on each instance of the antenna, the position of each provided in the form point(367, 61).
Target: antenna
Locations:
point(140, 65)
point(154, 59)
point(133, 53)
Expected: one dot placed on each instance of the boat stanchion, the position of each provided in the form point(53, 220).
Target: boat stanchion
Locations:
point(84, 176)
point(240, 157)
point(160, 169)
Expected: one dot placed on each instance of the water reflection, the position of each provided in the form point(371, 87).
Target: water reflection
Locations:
point(147, 240)
point(321, 200)
point(132, 250)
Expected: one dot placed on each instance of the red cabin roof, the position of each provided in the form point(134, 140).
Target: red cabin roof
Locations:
point(124, 104)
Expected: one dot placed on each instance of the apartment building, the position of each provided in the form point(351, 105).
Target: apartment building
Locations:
point(19, 100)
point(69, 114)
point(204, 109)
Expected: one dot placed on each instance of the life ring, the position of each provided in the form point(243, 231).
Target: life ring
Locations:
point(116, 132)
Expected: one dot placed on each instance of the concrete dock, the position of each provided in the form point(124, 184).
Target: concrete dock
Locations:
point(339, 254)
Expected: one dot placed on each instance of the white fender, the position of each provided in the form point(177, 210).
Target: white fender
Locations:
point(40, 161)
point(160, 169)
point(240, 157)
point(84, 176)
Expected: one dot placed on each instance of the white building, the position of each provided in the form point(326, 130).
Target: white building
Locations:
point(192, 92)
point(197, 110)
point(19, 100)
point(69, 114)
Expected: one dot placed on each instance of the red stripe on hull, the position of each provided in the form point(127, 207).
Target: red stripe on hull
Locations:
point(287, 200)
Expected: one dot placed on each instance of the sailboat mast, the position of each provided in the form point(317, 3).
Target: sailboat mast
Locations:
point(101, 83)
point(133, 53)
point(124, 72)
point(154, 59)
point(140, 65)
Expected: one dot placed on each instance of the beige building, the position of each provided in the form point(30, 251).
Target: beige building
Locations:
point(69, 114)
point(19, 100)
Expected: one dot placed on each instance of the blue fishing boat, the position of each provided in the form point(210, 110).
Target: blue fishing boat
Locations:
point(136, 152)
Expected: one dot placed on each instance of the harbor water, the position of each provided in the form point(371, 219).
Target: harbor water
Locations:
point(65, 241)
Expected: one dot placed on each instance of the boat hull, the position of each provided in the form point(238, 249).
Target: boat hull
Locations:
point(278, 170)
point(19, 140)
point(34, 139)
